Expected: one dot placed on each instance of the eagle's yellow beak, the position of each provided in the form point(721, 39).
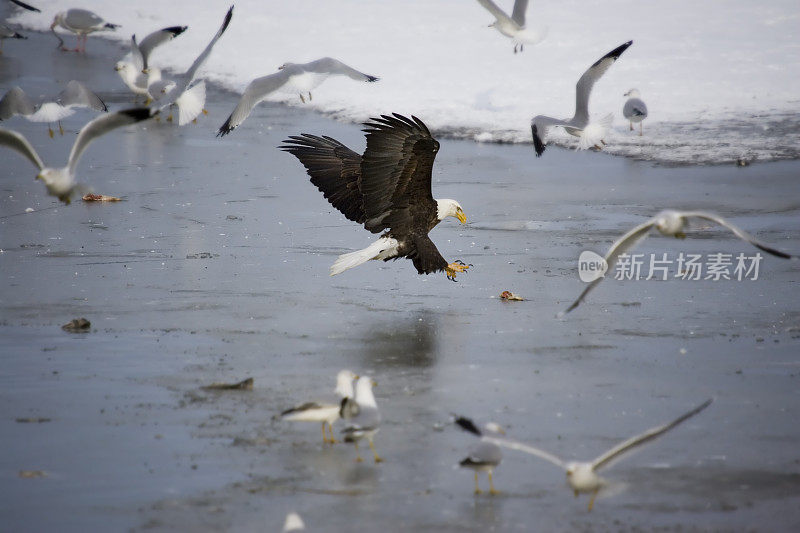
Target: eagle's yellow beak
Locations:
point(461, 216)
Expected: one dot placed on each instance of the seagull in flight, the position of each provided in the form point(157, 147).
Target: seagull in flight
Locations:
point(582, 476)
point(61, 182)
point(672, 224)
point(514, 26)
point(579, 125)
point(179, 90)
point(291, 77)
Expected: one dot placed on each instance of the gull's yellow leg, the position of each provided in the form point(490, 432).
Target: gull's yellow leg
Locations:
point(330, 428)
point(60, 128)
point(591, 500)
point(477, 488)
point(302, 99)
point(309, 96)
point(377, 457)
point(358, 455)
point(324, 435)
point(50, 131)
point(205, 111)
point(491, 484)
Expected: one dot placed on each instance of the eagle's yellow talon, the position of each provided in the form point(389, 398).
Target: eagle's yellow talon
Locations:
point(455, 268)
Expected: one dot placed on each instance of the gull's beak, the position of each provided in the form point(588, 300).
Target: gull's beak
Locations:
point(501, 431)
point(374, 383)
point(117, 68)
point(145, 71)
point(461, 216)
point(38, 177)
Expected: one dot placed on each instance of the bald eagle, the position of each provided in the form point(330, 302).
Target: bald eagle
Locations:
point(388, 189)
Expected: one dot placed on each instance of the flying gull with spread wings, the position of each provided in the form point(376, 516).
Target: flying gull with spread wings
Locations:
point(179, 90)
point(590, 134)
point(61, 182)
point(582, 476)
point(672, 224)
point(138, 74)
point(291, 77)
point(514, 26)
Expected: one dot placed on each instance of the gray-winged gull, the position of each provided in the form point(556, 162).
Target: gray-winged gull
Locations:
point(582, 475)
point(484, 456)
point(324, 412)
point(75, 95)
point(138, 74)
point(15, 102)
point(178, 90)
point(361, 416)
point(81, 22)
point(672, 224)
point(291, 77)
point(635, 110)
point(61, 182)
point(514, 26)
point(579, 125)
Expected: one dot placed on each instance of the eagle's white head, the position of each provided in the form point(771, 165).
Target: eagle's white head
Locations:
point(450, 208)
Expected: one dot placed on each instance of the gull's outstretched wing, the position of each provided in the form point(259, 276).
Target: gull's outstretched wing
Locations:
point(25, 6)
point(518, 15)
point(15, 102)
point(77, 95)
point(648, 436)
point(492, 8)
point(540, 124)
point(157, 38)
point(625, 243)
point(256, 92)
point(330, 65)
point(584, 86)
point(101, 125)
point(739, 233)
point(192, 72)
point(17, 142)
point(520, 447)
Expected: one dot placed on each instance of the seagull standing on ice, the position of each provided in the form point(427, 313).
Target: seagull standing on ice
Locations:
point(291, 77)
point(514, 26)
point(635, 109)
point(81, 22)
point(484, 456)
point(326, 413)
point(362, 417)
point(61, 182)
point(582, 475)
point(590, 134)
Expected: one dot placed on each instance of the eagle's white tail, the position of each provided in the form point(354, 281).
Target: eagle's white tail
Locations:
point(191, 102)
point(383, 248)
